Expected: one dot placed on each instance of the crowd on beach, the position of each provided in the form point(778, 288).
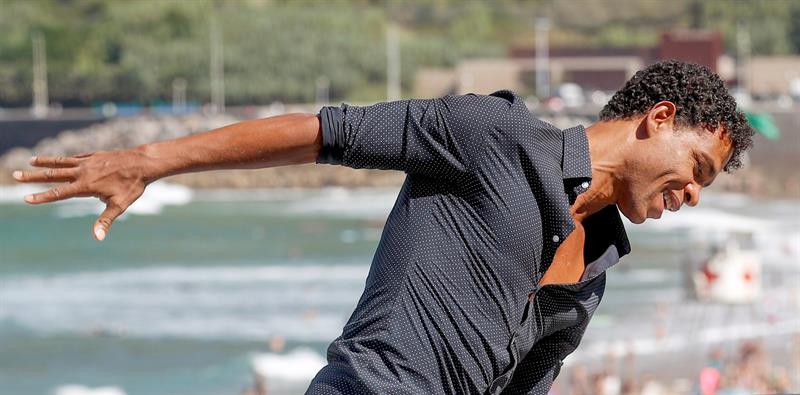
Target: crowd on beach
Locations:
point(747, 369)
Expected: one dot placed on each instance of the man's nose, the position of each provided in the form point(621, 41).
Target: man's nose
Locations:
point(691, 194)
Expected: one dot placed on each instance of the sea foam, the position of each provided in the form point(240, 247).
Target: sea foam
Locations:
point(297, 302)
point(300, 364)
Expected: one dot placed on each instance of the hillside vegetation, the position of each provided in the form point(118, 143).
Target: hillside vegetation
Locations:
point(132, 51)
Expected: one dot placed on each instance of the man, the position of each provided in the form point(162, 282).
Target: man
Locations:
point(493, 258)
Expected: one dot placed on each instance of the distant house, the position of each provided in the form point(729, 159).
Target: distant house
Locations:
point(603, 69)
point(773, 75)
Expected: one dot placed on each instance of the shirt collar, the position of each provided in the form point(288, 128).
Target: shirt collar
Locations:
point(614, 228)
point(575, 162)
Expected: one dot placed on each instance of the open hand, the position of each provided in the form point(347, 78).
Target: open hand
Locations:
point(117, 178)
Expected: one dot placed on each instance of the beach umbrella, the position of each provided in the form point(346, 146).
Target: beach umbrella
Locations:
point(764, 124)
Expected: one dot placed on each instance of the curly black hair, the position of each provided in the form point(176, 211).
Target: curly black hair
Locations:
point(699, 95)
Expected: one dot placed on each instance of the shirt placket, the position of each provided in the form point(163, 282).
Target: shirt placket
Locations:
point(514, 343)
point(558, 233)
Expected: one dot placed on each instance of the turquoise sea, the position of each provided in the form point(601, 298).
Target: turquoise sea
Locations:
point(191, 286)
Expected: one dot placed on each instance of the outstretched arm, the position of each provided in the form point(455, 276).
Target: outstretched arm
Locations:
point(434, 137)
point(118, 178)
point(289, 139)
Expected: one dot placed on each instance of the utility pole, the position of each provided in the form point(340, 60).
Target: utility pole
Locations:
point(322, 91)
point(392, 63)
point(217, 69)
point(696, 13)
point(743, 55)
point(40, 94)
point(179, 95)
point(542, 57)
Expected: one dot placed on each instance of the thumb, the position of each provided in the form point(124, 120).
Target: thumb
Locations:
point(103, 223)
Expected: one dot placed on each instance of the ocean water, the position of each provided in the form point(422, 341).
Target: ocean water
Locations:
point(190, 287)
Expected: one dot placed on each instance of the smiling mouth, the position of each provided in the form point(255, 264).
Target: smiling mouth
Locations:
point(670, 203)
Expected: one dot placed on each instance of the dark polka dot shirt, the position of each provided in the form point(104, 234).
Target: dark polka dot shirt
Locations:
point(452, 304)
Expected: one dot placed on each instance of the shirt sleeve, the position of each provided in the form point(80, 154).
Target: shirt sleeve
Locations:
point(438, 137)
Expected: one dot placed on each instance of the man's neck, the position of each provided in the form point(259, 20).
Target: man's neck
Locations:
point(607, 140)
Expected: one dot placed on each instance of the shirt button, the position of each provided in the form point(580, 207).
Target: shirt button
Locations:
point(584, 185)
point(556, 238)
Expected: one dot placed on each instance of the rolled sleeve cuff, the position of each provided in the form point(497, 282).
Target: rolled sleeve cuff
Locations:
point(333, 138)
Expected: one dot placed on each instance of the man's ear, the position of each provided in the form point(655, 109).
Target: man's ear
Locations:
point(660, 117)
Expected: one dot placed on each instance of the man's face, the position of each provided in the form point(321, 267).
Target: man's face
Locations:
point(668, 166)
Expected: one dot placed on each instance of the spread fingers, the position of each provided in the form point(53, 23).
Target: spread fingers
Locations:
point(54, 161)
point(61, 192)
